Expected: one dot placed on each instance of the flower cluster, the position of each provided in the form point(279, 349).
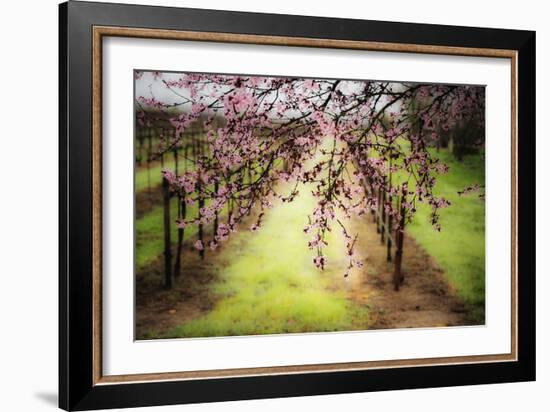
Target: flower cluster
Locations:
point(345, 141)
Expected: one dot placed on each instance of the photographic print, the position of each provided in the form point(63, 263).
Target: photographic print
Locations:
point(274, 205)
point(243, 195)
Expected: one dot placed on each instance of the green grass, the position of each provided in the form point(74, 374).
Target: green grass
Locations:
point(460, 246)
point(150, 233)
point(149, 228)
point(269, 284)
point(142, 179)
point(266, 282)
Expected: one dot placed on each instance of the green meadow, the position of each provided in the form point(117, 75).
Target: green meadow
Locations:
point(459, 248)
point(268, 284)
point(264, 282)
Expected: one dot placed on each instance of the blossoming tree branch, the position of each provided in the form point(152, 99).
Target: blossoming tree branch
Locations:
point(359, 147)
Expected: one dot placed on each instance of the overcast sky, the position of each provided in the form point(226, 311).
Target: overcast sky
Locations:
point(147, 84)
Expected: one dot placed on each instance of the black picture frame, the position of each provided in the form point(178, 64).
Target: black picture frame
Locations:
point(77, 390)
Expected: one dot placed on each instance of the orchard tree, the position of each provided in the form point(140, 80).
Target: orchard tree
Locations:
point(358, 146)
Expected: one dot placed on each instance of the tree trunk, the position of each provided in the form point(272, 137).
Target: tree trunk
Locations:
point(216, 213)
point(201, 205)
point(389, 244)
point(167, 240)
point(149, 156)
point(371, 191)
point(390, 215)
point(383, 218)
point(140, 147)
point(177, 265)
point(181, 215)
point(398, 277)
point(378, 225)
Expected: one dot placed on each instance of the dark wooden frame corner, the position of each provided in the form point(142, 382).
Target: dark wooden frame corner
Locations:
point(81, 29)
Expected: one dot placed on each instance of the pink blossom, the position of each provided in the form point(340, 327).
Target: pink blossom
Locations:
point(335, 139)
point(320, 262)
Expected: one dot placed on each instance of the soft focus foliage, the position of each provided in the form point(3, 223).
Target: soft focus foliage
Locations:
point(341, 140)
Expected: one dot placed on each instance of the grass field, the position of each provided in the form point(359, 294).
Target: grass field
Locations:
point(460, 246)
point(149, 233)
point(268, 283)
point(149, 228)
point(142, 176)
point(265, 281)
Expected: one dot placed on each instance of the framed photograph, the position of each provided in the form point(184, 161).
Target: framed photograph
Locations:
point(257, 205)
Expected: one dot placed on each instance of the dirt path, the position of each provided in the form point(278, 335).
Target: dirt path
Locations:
point(159, 310)
point(424, 300)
